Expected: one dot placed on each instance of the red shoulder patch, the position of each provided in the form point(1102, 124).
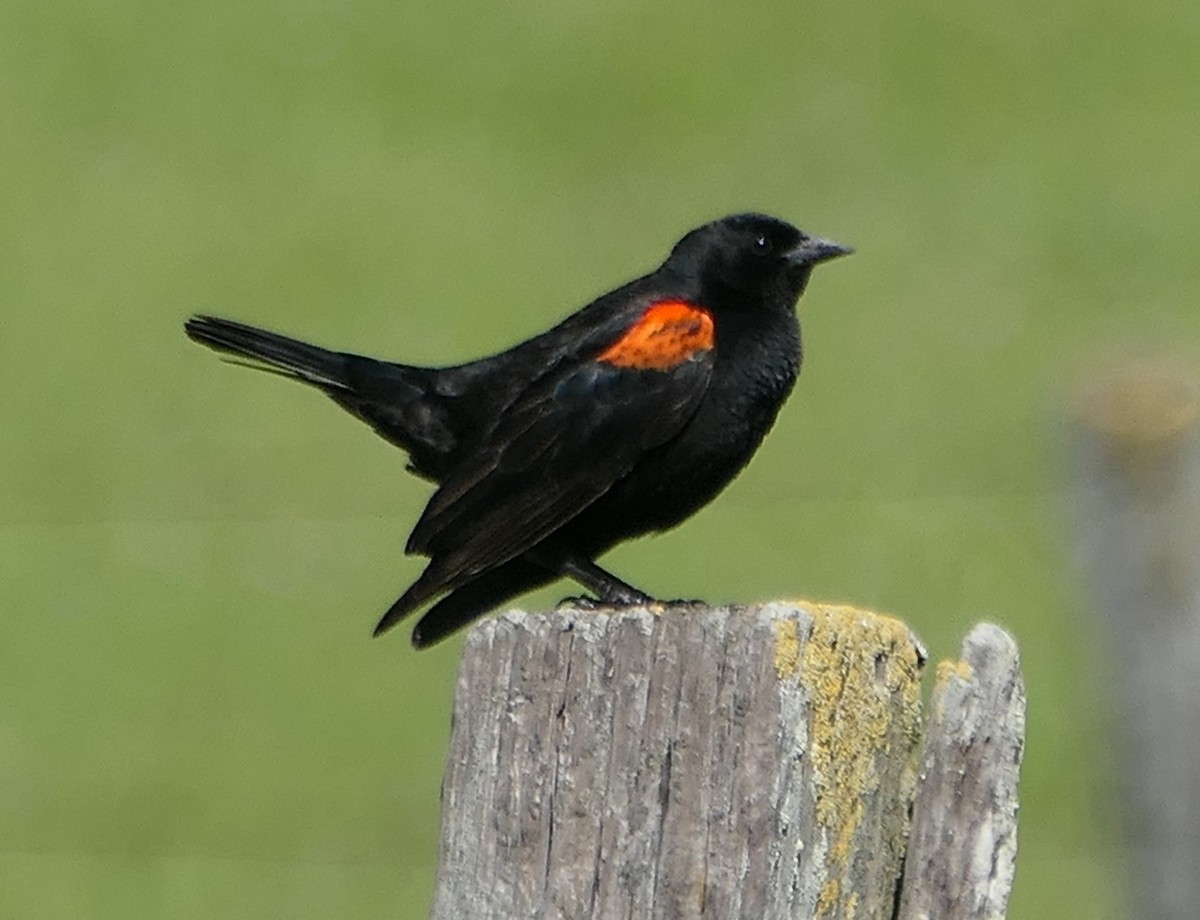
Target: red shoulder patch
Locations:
point(667, 334)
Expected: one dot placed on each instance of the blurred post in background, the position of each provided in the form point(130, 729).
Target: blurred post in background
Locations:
point(1137, 464)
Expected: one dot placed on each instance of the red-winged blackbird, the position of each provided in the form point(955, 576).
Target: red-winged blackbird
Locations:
point(625, 418)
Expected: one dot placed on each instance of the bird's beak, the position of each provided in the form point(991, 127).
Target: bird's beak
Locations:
point(813, 249)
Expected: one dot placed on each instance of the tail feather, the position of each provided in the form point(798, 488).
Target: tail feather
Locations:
point(466, 602)
point(429, 585)
point(293, 358)
point(391, 398)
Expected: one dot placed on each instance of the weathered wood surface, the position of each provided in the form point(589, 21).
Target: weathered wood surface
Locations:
point(963, 846)
point(1136, 453)
point(750, 763)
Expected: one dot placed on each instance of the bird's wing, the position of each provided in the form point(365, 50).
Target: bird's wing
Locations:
point(560, 451)
point(563, 444)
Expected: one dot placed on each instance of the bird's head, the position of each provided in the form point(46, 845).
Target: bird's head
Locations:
point(750, 261)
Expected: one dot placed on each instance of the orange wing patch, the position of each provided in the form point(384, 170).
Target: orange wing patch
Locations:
point(667, 334)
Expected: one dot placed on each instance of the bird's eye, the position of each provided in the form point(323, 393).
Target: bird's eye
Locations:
point(763, 246)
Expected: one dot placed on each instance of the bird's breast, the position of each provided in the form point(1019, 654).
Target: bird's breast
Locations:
point(751, 380)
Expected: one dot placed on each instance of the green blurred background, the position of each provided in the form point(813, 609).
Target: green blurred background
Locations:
point(193, 722)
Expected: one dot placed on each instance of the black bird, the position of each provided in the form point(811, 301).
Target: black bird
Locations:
point(625, 418)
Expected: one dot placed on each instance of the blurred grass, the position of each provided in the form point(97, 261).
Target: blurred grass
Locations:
point(193, 721)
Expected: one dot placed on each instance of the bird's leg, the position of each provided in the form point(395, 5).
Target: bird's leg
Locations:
point(610, 591)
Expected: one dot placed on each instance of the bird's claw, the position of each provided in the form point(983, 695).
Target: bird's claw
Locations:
point(616, 601)
point(578, 603)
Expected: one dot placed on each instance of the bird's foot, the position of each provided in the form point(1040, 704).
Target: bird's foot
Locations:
point(581, 602)
point(613, 600)
point(625, 596)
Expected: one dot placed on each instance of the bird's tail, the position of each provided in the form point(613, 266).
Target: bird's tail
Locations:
point(269, 351)
point(391, 398)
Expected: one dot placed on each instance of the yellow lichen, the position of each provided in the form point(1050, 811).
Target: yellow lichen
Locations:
point(787, 649)
point(864, 671)
point(947, 669)
point(828, 897)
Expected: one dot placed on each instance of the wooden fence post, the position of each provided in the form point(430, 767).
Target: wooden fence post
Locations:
point(688, 762)
point(1136, 451)
point(962, 855)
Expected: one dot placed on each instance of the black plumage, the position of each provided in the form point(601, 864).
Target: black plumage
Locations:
point(624, 418)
